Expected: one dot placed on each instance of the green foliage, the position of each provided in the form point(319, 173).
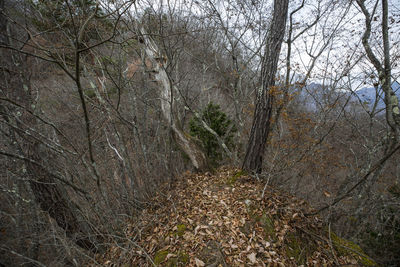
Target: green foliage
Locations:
point(221, 124)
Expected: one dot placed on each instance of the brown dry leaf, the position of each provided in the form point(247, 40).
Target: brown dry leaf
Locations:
point(199, 263)
point(252, 257)
point(196, 229)
point(170, 255)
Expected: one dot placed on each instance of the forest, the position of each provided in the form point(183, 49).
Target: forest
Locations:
point(119, 117)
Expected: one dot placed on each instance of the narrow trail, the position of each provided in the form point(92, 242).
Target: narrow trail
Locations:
point(221, 220)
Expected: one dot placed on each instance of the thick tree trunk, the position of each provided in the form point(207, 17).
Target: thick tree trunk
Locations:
point(261, 126)
point(48, 193)
point(184, 141)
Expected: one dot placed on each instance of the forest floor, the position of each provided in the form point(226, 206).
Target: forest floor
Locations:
point(229, 219)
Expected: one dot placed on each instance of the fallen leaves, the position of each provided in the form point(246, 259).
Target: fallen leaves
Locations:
point(245, 229)
point(252, 257)
point(199, 263)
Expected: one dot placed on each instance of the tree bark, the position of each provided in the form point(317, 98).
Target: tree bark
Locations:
point(261, 126)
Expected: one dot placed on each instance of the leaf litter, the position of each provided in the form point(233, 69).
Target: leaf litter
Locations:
point(208, 220)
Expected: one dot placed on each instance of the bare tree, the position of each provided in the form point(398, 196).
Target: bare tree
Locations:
point(17, 97)
point(383, 68)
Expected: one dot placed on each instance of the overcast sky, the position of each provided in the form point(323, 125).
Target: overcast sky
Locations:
point(338, 33)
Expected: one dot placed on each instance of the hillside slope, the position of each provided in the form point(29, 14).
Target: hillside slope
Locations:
point(225, 220)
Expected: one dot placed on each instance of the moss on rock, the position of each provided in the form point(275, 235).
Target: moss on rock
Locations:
point(348, 248)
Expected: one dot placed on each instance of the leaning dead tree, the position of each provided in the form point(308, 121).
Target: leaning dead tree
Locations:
point(166, 92)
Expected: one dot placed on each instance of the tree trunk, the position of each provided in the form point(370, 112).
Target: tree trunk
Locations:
point(184, 141)
point(48, 193)
point(53, 199)
point(261, 126)
point(384, 70)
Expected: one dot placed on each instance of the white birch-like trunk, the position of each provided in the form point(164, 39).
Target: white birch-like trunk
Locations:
point(185, 142)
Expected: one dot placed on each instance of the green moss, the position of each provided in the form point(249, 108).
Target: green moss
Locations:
point(181, 260)
point(298, 248)
point(183, 257)
point(233, 179)
point(181, 229)
point(240, 173)
point(268, 224)
point(90, 93)
point(347, 248)
point(172, 262)
point(160, 256)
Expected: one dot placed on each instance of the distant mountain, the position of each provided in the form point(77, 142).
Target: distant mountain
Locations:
point(314, 96)
point(368, 95)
